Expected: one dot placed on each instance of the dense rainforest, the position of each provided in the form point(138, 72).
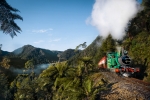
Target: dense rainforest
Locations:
point(77, 78)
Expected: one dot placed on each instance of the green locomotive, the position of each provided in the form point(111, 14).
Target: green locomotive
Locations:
point(118, 62)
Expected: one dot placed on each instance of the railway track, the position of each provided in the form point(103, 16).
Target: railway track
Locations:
point(131, 84)
point(141, 87)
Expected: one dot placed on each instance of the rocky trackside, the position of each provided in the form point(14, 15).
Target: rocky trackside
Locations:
point(121, 88)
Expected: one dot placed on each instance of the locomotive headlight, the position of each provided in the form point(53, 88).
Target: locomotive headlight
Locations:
point(124, 60)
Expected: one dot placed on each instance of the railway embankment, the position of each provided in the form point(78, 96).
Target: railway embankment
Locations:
point(122, 88)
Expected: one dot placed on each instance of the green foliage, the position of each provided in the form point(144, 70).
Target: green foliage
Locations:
point(138, 43)
point(108, 45)
point(4, 90)
point(56, 70)
point(96, 50)
point(29, 64)
point(5, 63)
point(67, 54)
point(7, 17)
point(59, 81)
point(29, 52)
point(87, 63)
point(24, 87)
point(62, 82)
point(139, 48)
point(90, 51)
point(81, 45)
point(141, 22)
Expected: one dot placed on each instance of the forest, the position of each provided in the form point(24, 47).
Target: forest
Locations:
point(78, 78)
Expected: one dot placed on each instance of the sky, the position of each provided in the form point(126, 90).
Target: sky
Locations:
point(51, 24)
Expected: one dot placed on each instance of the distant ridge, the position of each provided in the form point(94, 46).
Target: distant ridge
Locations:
point(20, 50)
point(67, 54)
point(3, 53)
point(40, 56)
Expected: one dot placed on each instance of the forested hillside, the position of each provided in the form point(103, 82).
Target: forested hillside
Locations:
point(96, 50)
point(39, 55)
point(77, 78)
point(138, 40)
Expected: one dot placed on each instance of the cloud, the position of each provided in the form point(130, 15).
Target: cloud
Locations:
point(112, 16)
point(50, 34)
point(42, 30)
point(88, 20)
point(55, 40)
point(40, 41)
point(52, 45)
point(50, 29)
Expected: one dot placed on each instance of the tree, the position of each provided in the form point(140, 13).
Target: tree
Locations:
point(5, 63)
point(58, 82)
point(7, 17)
point(79, 86)
point(29, 65)
point(141, 22)
point(4, 92)
point(22, 88)
point(138, 43)
point(49, 76)
point(108, 45)
point(87, 63)
point(81, 45)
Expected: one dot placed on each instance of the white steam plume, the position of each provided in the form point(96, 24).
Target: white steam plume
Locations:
point(112, 16)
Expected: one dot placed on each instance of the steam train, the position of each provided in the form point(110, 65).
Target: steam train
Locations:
point(118, 62)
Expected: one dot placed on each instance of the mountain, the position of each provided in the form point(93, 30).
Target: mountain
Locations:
point(3, 53)
point(67, 54)
point(39, 55)
point(91, 51)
